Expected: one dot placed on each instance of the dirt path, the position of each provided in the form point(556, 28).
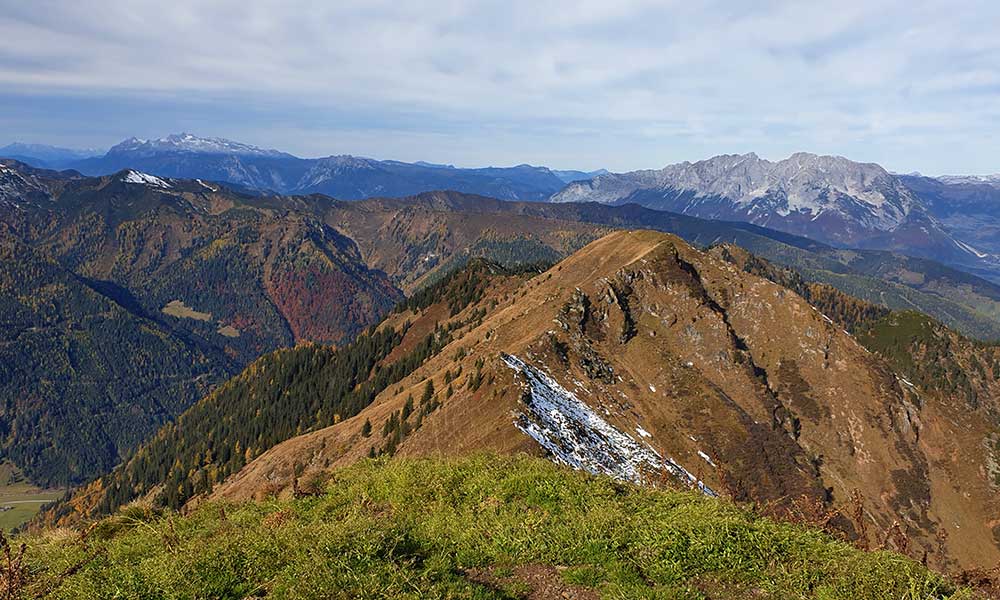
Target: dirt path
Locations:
point(542, 582)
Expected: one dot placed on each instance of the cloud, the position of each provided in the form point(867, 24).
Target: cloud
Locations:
point(594, 83)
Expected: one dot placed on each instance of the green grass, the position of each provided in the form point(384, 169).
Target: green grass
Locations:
point(409, 529)
point(177, 308)
point(24, 498)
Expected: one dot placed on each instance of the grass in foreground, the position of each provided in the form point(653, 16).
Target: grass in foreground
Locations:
point(433, 528)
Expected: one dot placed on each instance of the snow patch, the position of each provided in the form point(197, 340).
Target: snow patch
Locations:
point(971, 250)
point(577, 436)
point(145, 179)
point(205, 185)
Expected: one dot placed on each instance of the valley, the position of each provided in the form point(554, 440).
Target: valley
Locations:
point(20, 501)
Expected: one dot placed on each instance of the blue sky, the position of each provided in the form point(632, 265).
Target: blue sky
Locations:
point(617, 84)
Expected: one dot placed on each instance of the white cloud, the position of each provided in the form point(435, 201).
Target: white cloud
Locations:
point(662, 80)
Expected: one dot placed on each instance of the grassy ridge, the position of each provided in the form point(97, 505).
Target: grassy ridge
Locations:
point(410, 529)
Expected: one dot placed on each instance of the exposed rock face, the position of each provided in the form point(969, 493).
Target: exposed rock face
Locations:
point(799, 186)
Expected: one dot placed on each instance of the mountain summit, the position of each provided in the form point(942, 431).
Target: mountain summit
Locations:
point(186, 142)
point(801, 188)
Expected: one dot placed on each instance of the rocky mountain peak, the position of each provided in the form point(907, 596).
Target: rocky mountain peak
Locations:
point(802, 187)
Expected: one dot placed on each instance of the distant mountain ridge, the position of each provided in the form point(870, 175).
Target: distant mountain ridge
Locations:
point(826, 198)
point(803, 185)
point(348, 177)
point(186, 142)
point(993, 180)
point(951, 219)
point(42, 155)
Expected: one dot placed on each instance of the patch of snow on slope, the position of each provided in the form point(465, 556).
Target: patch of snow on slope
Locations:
point(970, 249)
point(145, 179)
point(205, 185)
point(577, 436)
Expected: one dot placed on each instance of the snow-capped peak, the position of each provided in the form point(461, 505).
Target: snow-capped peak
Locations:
point(190, 143)
point(993, 180)
point(141, 178)
point(745, 186)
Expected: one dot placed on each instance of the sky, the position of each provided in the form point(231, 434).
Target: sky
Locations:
point(617, 84)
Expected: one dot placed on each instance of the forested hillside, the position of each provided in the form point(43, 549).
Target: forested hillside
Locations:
point(83, 379)
point(281, 395)
point(128, 298)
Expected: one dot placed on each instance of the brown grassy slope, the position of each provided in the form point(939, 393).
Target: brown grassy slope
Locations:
point(413, 238)
point(706, 358)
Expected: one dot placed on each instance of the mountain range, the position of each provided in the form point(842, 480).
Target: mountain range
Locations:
point(827, 198)
point(188, 156)
point(950, 219)
point(172, 339)
point(41, 155)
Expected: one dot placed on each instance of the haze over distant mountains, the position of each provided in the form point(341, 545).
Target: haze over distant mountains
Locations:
point(41, 155)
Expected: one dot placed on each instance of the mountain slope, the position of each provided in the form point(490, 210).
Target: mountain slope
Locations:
point(282, 395)
point(130, 296)
point(827, 198)
point(682, 355)
point(642, 358)
point(414, 238)
point(970, 207)
point(84, 379)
